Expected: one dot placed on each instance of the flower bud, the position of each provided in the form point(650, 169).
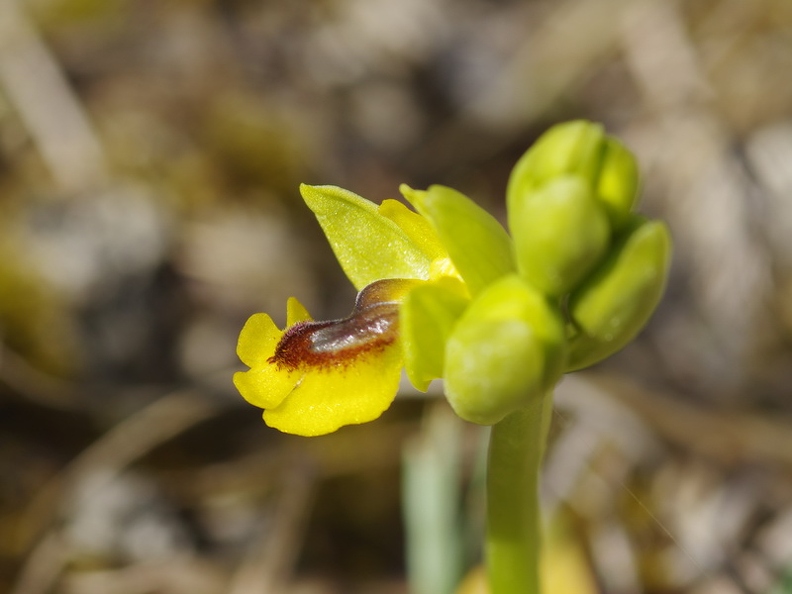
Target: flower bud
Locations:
point(616, 301)
point(580, 148)
point(617, 186)
point(572, 147)
point(507, 348)
point(560, 233)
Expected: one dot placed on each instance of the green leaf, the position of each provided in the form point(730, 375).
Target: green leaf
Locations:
point(426, 318)
point(368, 245)
point(431, 483)
point(478, 245)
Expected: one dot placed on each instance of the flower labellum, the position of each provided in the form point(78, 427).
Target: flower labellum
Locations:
point(315, 377)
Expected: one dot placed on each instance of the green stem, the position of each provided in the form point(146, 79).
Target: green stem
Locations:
point(517, 446)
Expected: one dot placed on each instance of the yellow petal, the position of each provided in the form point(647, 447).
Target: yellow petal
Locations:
point(415, 226)
point(477, 244)
point(267, 386)
point(296, 312)
point(257, 340)
point(346, 394)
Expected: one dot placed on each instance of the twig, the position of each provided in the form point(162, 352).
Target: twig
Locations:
point(35, 385)
point(40, 93)
point(115, 450)
point(42, 566)
point(723, 436)
point(269, 565)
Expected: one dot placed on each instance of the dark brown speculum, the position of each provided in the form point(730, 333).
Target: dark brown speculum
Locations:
point(372, 326)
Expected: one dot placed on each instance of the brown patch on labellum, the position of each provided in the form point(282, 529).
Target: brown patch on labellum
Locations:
point(372, 326)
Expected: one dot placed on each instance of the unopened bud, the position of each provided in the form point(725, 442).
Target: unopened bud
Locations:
point(506, 349)
point(580, 148)
point(560, 233)
point(616, 301)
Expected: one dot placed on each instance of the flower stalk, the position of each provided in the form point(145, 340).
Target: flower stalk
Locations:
point(517, 445)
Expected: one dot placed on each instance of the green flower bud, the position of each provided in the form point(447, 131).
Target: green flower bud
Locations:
point(572, 147)
point(617, 186)
point(560, 233)
point(580, 148)
point(506, 349)
point(616, 301)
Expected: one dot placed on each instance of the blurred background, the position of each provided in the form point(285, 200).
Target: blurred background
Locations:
point(150, 157)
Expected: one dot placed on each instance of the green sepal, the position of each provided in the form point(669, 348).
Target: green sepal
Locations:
point(561, 232)
point(477, 244)
point(426, 318)
point(506, 349)
point(572, 147)
point(617, 300)
point(368, 245)
point(580, 148)
point(617, 186)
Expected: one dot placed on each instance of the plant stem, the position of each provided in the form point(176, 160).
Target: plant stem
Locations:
point(517, 445)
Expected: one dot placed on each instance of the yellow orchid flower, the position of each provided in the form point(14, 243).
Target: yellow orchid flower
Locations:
point(313, 377)
point(444, 292)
